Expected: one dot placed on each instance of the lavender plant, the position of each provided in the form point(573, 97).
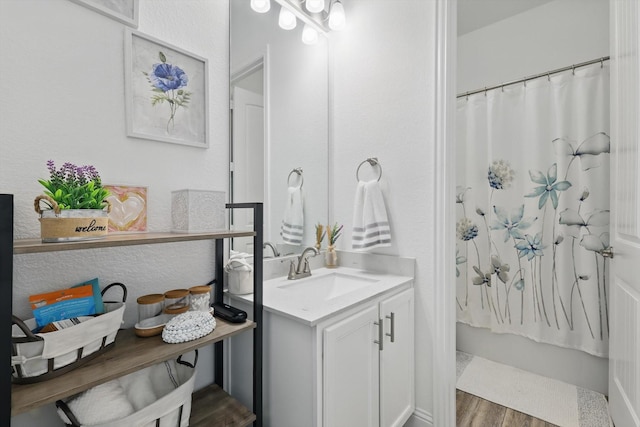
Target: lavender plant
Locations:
point(74, 187)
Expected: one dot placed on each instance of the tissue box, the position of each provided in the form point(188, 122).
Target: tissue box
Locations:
point(197, 211)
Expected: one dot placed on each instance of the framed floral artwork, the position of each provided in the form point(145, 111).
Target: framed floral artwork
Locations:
point(166, 92)
point(128, 212)
point(125, 11)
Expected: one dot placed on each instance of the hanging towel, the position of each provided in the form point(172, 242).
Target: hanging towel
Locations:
point(370, 224)
point(293, 221)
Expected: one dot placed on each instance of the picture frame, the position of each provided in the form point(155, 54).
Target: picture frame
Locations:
point(125, 11)
point(128, 211)
point(166, 89)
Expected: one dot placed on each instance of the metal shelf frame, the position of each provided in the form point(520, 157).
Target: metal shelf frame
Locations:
point(7, 246)
point(257, 306)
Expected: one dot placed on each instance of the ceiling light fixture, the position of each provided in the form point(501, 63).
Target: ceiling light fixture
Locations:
point(261, 6)
point(315, 6)
point(337, 19)
point(286, 19)
point(309, 35)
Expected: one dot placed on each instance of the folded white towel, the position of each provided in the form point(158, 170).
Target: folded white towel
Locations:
point(370, 224)
point(293, 221)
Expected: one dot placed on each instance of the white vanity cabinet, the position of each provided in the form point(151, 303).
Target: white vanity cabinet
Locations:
point(368, 365)
point(397, 360)
point(332, 373)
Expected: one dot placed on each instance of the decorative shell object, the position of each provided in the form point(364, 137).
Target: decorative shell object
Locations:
point(188, 326)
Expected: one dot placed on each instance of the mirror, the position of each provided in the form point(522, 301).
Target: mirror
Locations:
point(279, 98)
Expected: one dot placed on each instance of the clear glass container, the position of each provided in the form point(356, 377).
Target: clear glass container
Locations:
point(150, 306)
point(177, 298)
point(200, 297)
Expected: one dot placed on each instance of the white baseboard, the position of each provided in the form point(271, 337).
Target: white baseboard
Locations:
point(420, 418)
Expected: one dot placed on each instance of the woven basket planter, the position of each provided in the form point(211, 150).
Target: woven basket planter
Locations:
point(66, 225)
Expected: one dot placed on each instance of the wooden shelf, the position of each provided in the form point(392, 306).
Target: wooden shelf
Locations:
point(212, 406)
point(130, 354)
point(30, 246)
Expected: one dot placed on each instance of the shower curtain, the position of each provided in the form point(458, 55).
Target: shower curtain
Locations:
point(532, 209)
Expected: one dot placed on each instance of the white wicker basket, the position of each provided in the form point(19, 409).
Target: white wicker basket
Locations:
point(38, 357)
point(157, 395)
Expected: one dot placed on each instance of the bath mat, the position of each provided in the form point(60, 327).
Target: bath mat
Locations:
point(554, 401)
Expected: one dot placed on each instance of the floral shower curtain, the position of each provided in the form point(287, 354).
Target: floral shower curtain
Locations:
point(532, 209)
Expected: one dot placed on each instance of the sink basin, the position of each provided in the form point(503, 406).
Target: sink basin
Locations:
point(325, 287)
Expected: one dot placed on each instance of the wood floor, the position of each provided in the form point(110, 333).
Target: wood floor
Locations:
point(477, 412)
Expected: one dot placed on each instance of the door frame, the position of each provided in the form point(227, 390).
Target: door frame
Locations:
point(237, 74)
point(623, 340)
point(444, 314)
point(444, 373)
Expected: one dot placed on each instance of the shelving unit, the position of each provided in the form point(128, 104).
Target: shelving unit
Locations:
point(211, 406)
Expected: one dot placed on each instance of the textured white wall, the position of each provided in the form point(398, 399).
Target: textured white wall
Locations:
point(382, 78)
point(551, 36)
point(63, 99)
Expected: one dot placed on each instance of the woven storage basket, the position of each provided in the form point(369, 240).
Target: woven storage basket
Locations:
point(70, 225)
point(38, 357)
point(157, 395)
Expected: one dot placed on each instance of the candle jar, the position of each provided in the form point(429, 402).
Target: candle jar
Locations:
point(176, 298)
point(200, 297)
point(150, 306)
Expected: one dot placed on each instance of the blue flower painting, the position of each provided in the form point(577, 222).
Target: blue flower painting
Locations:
point(167, 83)
point(166, 90)
point(167, 77)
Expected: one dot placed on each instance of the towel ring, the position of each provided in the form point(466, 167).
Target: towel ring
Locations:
point(297, 171)
point(373, 161)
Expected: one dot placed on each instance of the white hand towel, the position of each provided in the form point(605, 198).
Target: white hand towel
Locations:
point(370, 223)
point(293, 221)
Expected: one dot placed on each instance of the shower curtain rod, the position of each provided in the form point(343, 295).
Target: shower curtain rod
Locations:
point(536, 76)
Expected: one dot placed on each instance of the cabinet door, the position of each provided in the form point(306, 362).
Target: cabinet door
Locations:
point(350, 371)
point(397, 396)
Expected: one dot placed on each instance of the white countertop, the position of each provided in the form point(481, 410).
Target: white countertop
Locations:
point(286, 297)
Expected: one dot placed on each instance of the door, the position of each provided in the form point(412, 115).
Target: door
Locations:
point(350, 371)
point(624, 344)
point(247, 160)
point(397, 397)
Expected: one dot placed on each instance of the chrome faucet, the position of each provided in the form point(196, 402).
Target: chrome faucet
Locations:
point(302, 269)
point(273, 248)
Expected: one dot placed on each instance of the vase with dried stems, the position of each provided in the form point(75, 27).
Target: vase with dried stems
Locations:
point(331, 256)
